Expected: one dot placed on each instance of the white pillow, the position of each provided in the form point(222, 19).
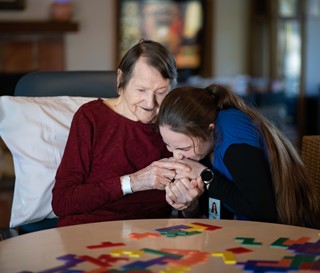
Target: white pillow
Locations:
point(35, 130)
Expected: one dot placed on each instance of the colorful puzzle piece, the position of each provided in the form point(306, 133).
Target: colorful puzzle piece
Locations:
point(70, 261)
point(178, 232)
point(238, 250)
point(247, 241)
point(144, 235)
point(102, 260)
point(228, 257)
point(296, 262)
point(279, 243)
point(145, 264)
point(307, 248)
point(162, 253)
point(173, 227)
point(131, 253)
point(193, 227)
point(130, 270)
point(283, 242)
point(105, 244)
point(301, 240)
point(207, 227)
point(191, 258)
point(269, 266)
point(282, 263)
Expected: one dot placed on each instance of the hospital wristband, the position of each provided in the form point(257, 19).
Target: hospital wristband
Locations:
point(126, 184)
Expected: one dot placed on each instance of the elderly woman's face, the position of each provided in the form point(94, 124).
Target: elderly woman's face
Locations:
point(144, 93)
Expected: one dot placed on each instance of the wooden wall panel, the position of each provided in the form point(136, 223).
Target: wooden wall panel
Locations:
point(18, 56)
point(51, 54)
point(32, 53)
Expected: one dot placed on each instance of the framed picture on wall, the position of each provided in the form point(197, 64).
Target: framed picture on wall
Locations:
point(180, 25)
point(12, 4)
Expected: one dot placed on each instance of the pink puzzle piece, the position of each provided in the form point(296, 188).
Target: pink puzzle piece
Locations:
point(144, 235)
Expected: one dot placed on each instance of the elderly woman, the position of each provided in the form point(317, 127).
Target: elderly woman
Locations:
point(111, 167)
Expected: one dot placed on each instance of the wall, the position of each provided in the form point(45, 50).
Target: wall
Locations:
point(313, 56)
point(93, 47)
point(231, 36)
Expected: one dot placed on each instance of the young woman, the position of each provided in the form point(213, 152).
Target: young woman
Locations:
point(249, 168)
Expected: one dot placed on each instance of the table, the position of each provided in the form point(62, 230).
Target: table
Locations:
point(165, 245)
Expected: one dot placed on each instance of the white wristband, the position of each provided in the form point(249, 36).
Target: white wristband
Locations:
point(126, 185)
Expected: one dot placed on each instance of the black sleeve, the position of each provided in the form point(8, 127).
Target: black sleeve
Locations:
point(251, 194)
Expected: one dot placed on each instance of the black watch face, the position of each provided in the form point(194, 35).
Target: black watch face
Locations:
point(206, 176)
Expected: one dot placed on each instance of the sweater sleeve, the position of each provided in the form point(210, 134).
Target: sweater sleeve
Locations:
point(251, 193)
point(76, 190)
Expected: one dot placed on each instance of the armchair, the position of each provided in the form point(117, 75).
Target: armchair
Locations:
point(310, 153)
point(34, 124)
point(68, 83)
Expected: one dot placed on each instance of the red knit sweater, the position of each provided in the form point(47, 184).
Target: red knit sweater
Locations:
point(101, 147)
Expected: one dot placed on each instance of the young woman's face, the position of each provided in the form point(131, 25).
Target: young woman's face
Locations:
point(183, 146)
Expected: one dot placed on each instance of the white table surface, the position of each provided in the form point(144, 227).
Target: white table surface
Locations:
point(201, 252)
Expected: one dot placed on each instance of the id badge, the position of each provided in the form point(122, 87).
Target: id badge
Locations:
point(214, 208)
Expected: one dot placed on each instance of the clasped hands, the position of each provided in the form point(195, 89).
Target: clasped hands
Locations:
point(180, 178)
point(186, 186)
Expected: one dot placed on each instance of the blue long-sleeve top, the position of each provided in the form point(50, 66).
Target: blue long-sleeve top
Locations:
point(243, 180)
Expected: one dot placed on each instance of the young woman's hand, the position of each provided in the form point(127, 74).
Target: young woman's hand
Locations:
point(181, 193)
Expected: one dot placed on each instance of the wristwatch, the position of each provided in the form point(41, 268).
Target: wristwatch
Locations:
point(207, 176)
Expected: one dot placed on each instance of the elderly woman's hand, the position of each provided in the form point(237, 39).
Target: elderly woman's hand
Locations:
point(183, 192)
point(195, 168)
point(157, 175)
